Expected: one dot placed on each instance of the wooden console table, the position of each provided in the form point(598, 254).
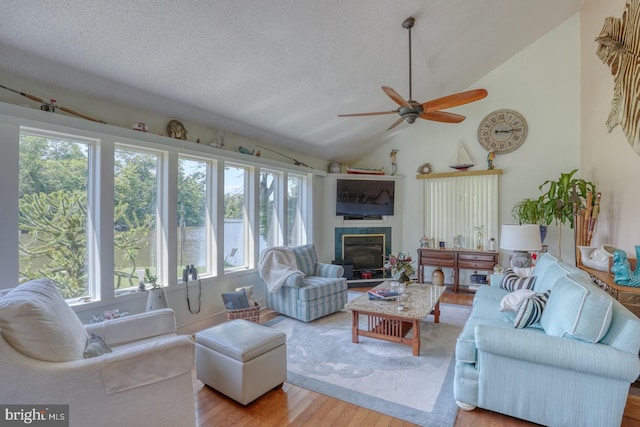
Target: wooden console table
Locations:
point(457, 259)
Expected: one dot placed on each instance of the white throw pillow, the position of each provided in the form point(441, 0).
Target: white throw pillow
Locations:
point(512, 300)
point(38, 322)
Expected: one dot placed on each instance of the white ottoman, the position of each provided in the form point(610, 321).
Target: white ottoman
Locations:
point(241, 359)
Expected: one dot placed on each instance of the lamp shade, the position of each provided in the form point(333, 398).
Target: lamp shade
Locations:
point(524, 237)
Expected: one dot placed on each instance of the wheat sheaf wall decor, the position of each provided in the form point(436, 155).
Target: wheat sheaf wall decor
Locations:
point(619, 47)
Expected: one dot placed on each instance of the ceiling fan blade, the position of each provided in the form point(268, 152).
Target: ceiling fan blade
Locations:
point(368, 114)
point(442, 116)
point(454, 100)
point(396, 97)
point(396, 123)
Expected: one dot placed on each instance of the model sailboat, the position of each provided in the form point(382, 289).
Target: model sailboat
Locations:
point(460, 159)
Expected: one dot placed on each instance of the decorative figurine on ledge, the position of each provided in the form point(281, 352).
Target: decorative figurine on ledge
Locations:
point(490, 158)
point(394, 164)
point(620, 269)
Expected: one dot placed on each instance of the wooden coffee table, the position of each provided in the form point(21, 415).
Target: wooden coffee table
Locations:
point(386, 322)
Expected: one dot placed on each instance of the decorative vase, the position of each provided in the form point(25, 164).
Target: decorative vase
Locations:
point(437, 277)
point(156, 299)
point(403, 278)
point(543, 233)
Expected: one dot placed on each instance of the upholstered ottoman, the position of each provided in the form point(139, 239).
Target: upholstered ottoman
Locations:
point(241, 359)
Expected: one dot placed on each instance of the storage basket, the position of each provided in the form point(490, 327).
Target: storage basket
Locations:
point(251, 314)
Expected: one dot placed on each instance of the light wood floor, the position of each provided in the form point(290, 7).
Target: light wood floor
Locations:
point(295, 406)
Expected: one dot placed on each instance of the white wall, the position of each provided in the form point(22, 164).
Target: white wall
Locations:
point(542, 82)
point(607, 158)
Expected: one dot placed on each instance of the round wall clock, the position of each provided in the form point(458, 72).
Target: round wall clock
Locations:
point(502, 131)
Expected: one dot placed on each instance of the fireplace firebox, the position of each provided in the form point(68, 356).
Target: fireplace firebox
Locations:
point(366, 252)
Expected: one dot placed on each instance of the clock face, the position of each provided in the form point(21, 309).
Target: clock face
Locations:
point(502, 131)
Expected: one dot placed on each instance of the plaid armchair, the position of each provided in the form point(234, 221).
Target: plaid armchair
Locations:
point(320, 289)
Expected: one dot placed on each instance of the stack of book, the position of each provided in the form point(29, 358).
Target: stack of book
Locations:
point(383, 294)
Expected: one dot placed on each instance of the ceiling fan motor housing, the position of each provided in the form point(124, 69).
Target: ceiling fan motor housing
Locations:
point(410, 114)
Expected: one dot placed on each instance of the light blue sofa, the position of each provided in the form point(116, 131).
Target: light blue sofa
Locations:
point(320, 289)
point(572, 368)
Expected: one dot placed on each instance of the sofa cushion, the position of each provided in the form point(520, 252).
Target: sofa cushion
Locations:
point(548, 279)
point(543, 264)
point(512, 300)
point(306, 258)
point(530, 311)
point(491, 293)
point(38, 322)
point(577, 309)
point(512, 282)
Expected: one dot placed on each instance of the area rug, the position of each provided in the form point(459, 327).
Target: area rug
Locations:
point(378, 375)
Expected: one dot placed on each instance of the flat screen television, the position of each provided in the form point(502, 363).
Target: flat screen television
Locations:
point(364, 199)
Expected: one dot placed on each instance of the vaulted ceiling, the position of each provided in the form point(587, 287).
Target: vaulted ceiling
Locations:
point(279, 71)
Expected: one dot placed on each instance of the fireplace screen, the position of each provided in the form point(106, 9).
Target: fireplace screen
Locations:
point(366, 251)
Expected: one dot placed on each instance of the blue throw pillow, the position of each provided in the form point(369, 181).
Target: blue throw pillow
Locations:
point(530, 310)
point(235, 300)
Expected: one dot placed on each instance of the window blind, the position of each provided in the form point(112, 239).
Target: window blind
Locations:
point(459, 206)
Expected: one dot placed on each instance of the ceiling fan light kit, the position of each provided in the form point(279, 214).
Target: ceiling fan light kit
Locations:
point(409, 110)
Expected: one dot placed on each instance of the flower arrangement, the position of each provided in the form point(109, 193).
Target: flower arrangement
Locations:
point(400, 265)
point(108, 315)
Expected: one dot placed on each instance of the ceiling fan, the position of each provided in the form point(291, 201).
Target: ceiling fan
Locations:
point(410, 110)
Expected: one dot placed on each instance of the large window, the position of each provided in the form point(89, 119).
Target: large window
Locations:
point(193, 219)
point(134, 215)
point(296, 231)
point(270, 230)
point(53, 209)
point(236, 224)
point(94, 211)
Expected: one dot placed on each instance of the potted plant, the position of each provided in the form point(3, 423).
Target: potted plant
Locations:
point(563, 199)
point(157, 298)
point(531, 211)
point(479, 237)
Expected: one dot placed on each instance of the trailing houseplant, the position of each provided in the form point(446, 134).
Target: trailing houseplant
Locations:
point(531, 211)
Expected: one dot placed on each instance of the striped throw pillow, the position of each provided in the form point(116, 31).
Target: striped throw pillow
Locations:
point(512, 282)
point(530, 310)
point(235, 300)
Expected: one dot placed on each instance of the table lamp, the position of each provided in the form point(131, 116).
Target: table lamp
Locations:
point(520, 239)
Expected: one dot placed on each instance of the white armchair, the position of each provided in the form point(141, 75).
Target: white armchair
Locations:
point(145, 380)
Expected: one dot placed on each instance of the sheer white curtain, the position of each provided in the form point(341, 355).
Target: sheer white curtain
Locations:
point(460, 205)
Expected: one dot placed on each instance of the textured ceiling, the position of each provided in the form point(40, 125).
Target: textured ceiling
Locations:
point(279, 71)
